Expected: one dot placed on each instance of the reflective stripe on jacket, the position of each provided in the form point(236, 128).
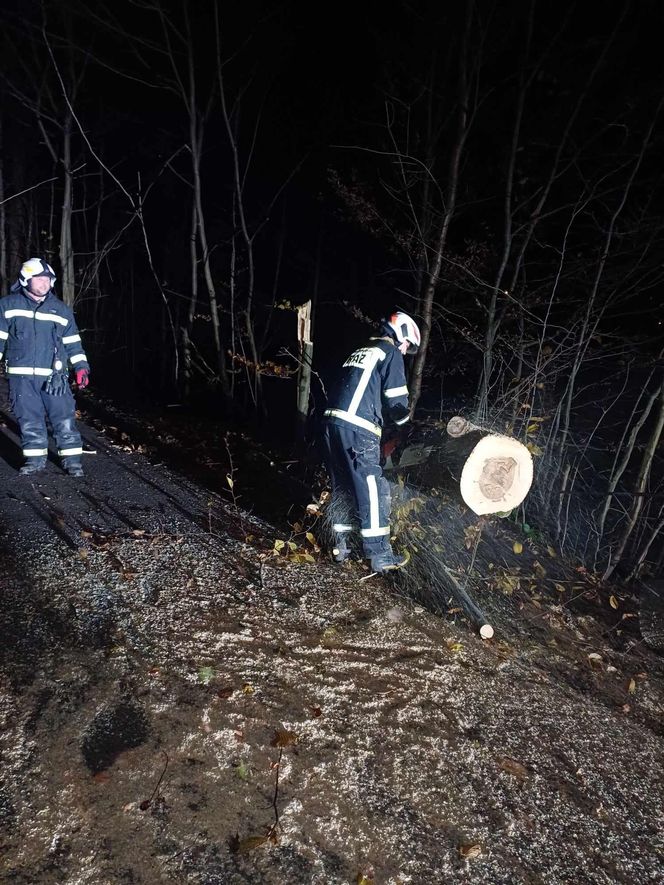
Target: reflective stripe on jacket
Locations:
point(34, 336)
point(372, 383)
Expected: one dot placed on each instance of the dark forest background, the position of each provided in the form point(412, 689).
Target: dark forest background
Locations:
point(198, 171)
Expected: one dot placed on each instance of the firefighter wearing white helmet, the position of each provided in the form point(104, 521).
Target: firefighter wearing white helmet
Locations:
point(38, 337)
point(371, 389)
point(405, 331)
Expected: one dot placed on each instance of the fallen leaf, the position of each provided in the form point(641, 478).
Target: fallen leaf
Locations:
point(205, 674)
point(242, 770)
point(284, 738)
point(247, 688)
point(594, 657)
point(225, 692)
point(613, 602)
point(250, 843)
point(471, 535)
point(632, 686)
point(552, 553)
point(511, 766)
point(301, 557)
point(539, 570)
point(470, 851)
point(82, 554)
point(508, 583)
point(517, 547)
point(559, 588)
point(329, 634)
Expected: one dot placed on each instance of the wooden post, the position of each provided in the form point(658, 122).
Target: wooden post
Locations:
point(306, 350)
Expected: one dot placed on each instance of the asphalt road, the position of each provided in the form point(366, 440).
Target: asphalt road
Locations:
point(120, 491)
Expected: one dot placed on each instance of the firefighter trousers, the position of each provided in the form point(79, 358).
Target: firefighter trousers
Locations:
point(360, 492)
point(32, 406)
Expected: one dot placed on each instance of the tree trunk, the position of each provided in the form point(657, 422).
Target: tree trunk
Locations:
point(238, 183)
point(3, 219)
point(654, 534)
point(191, 311)
point(205, 253)
point(620, 468)
point(433, 274)
point(66, 248)
point(492, 317)
point(641, 482)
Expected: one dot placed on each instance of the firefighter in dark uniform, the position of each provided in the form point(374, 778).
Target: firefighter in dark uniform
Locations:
point(372, 386)
point(38, 336)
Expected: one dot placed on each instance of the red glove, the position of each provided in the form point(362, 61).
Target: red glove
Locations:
point(82, 377)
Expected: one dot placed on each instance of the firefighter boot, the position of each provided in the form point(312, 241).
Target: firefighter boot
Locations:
point(73, 466)
point(33, 465)
point(386, 560)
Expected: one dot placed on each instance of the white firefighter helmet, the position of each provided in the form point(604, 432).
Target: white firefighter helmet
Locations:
point(405, 328)
point(35, 267)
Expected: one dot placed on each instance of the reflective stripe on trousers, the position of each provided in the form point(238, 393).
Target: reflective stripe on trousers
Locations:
point(352, 457)
point(31, 406)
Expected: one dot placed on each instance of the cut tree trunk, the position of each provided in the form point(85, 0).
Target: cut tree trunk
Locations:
point(490, 472)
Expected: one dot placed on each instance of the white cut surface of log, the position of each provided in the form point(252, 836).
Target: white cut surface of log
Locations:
point(497, 475)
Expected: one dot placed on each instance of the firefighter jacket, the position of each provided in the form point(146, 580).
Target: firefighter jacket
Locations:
point(38, 338)
point(372, 385)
